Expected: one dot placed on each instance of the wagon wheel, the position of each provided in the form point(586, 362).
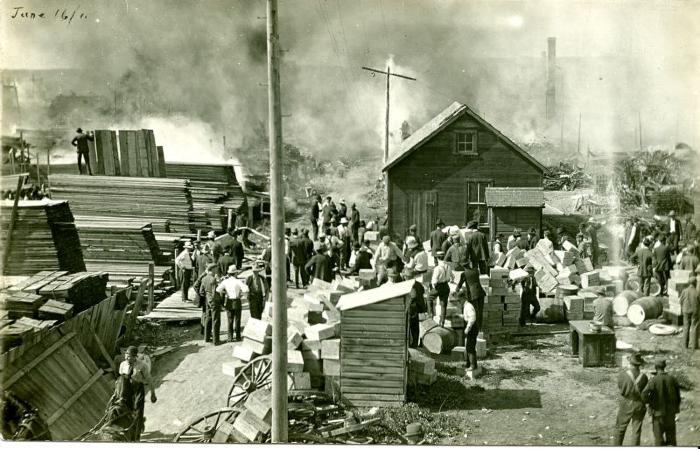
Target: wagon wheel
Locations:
point(256, 375)
point(203, 429)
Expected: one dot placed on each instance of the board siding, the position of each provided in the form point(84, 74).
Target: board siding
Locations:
point(434, 167)
point(124, 153)
point(509, 218)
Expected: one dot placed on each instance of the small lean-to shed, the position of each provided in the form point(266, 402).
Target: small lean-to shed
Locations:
point(374, 345)
point(514, 207)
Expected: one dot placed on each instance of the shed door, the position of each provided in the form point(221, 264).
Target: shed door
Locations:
point(421, 210)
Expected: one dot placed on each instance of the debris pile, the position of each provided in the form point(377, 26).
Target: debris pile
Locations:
point(566, 176)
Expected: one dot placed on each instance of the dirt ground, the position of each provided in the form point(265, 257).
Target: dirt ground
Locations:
point(533, 391)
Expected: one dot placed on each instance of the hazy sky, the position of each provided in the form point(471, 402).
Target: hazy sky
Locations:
point(206, 59)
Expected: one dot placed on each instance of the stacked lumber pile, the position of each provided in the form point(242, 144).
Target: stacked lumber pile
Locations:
point(122, 248)
point(678, 282)
point(154, 200)
point(140, 156)
point(82, 290)
point(214, 189)
point(44, 238)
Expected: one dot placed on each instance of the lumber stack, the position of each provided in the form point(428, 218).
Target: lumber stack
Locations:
point(154, 200)
point(123, 248)
point(82, 290)
point(44, 238)
point(18, 304)
point(139, 154)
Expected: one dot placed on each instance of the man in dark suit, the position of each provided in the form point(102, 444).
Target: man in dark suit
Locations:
point(207, 289)
point(437, 237)
point(362, 258)
point(661, 261)
point(674, 231)
point(225, 261)
point(474, 290)
point(80, 142)
point(315, 212)
point(319, 266)
point(299, 256)
point(533, 238)
point(257, 290)
point(663, 395)
point(307, 244)
point(354, 223)
point(457, 256)
point(477, 247)
point(645, 269)
point(237, 251)
point(631, 383)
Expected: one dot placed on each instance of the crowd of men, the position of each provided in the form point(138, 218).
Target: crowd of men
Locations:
point(658, 248)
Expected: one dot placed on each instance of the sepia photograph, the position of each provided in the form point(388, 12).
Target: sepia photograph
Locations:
point(377, 222)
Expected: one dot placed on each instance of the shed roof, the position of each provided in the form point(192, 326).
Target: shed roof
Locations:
point(514, 197)
point(374, 295)
point(440, 122)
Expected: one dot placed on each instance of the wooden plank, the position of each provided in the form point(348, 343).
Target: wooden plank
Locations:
point(393, 378)
point(375, 335)
point(124, 152)
point(379, 307)
point(141, 152)
point(154, 167)
point(389, 317)
point(50, 350)
point(367, 320)
point(376, 397)
point(161, 161)
point(372, 372)
point(94, 165)
point(69, 402)
point(349, 359)
point(363, 327)
point(368, 389)
point(392, 350)
point(104, 352)
point(13, 219)
point(348, 342)
point(131, 322)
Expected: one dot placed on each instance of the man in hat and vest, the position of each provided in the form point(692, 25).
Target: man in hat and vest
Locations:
point(258, 290)
point(661, 262)
point(212, 324)
point(474, 291)
point(184, 263)
point(528, 296)
point(631, 384)
point(138, 368)
point(477, 246)
point(690, 307)
point(663, 395)
point(232, 289)
point(442, 274)
point(645, 269)
point(80, 142)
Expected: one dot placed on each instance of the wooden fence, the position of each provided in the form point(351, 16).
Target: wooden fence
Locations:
point(58, 371)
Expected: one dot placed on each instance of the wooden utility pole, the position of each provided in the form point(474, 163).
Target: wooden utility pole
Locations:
point(279, 275)
point(578, 144)
point(386, 124)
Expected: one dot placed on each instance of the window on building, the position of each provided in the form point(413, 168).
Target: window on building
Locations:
point(465, 142)
point(476, 200)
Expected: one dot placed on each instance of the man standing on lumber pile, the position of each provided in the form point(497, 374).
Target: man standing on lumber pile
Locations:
point(212, 324)
point(232, 290)
point(477, 246)
point(528, 296)
point(440, 287)
point(690, 307)
point(138, 368)
point(663, 395)
point(184, 263)
point(631, 384)
point(80, 141)
point(661, 256)
point(437, 238)
point(257, 291)
point(645, 268)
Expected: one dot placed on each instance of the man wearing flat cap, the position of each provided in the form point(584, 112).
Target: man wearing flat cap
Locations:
point(631, 383)
point(138, 368)
point(663, 395)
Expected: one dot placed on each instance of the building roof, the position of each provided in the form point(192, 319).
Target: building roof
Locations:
point(514, 197)
point(374, 295)
point(443, 120)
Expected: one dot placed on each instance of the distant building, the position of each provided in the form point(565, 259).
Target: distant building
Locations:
point(458, 167)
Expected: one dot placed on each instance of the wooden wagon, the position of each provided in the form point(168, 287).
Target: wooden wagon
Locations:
point(374, 345)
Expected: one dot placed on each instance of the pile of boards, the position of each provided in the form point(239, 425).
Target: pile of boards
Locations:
point(129, 153)
point(165, 203)
point(44, 238)
point(123, 248)
point(47, 298)
point(313, 346)
point(214, 189)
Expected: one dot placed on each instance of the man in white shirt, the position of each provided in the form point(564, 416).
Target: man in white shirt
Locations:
point(387, 256)
point(138, 368)
point(183, 262)
point(232, 289)
point(418, 259)
point(442, 274)
point(471, 330)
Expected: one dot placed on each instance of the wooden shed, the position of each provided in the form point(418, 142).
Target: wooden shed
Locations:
point(514, 207)
point(374, 345)
point(444, 168)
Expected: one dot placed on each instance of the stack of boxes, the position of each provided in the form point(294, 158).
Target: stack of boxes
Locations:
point(501, 307)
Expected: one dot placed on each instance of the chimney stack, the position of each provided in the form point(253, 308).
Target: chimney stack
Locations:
point(550, 96)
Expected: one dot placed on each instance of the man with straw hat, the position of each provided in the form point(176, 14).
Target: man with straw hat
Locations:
point(232, 290)
point(442, 274)
point(257, 290)
point(138, 369)
point(184, 263)
point(631, 384)
point(663, 395)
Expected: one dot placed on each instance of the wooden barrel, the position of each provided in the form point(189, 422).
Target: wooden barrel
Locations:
point(622, 302)
point(646, 308)
point(633, 284)
point(551, 311)
point(566, 290)
point(439, 340)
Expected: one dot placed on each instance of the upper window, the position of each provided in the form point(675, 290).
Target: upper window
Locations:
point(465, 142)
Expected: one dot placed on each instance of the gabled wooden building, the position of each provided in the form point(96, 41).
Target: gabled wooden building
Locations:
point(444, 169)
